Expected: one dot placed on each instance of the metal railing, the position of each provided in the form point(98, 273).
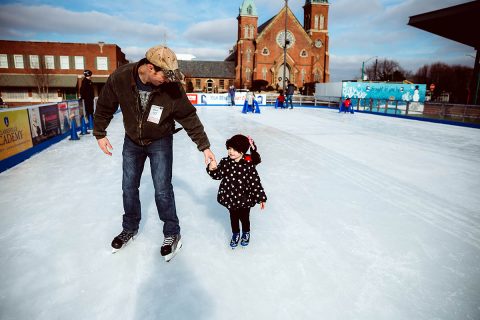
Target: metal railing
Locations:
point(439, 111)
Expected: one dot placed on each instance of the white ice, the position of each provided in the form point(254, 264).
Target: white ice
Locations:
point(368, 217)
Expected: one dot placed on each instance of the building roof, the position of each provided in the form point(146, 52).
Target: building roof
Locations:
point(458, 23)
point(28, 80)
point(248, 8)
point(207, 69)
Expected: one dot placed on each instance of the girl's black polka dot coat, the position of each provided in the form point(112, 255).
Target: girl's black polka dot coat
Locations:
point(240, 186)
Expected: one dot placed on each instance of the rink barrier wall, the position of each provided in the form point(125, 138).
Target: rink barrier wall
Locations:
point(25, 131)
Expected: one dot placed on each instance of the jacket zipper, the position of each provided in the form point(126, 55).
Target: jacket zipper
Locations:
point(142, 114)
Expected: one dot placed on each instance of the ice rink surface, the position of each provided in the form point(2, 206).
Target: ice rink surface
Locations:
point(368, 217)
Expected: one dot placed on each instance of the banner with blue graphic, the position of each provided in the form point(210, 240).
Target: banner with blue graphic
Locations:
point(384, 91)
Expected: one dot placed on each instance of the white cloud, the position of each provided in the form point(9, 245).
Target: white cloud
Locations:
point(222, 31)
point(18, 18)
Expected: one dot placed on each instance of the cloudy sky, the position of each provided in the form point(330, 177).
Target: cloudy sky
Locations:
point(358, 29)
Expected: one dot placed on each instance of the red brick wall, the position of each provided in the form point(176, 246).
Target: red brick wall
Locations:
point(88, 50)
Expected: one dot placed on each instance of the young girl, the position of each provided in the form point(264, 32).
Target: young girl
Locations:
point(240, 188)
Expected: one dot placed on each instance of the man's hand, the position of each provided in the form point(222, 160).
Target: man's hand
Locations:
point(105, 145)
point(209, 156)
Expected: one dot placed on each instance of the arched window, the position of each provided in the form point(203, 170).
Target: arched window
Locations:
point(322, 22)
point(265, 51)
point(303, 75)
point(264, 73)
point(303, 53)
point(316, 75)
point(245, 34)
point(251, 32)
point(209, 85)
point(316, 22)
point(249, 10)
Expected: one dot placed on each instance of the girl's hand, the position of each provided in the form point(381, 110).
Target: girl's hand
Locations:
point(262, 205)
point(212, 165)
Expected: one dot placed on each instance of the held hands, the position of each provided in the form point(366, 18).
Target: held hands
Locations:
point(209, 158)
point(212, 165)
point(105, 145)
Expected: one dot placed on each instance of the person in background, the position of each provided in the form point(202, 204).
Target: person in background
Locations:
point(240, 187)
point(231, 93)
point(250, 98)
point(290, 91)
point(281, 99)
point(151, 98)
point(86, 93)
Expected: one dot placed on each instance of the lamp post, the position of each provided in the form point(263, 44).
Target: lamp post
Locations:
point(363, 66)
point(285, 47)
point(475, 68)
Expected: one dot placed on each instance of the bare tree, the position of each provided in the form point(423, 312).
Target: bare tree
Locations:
point(386, 70)
point(454, 80)
point(42, 80)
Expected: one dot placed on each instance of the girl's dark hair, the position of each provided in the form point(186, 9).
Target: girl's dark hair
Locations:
point(241, 143)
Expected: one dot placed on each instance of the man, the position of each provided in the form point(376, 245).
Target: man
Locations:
point(290, 91)
point(86, 93)
point(231, 93)
point(151, 98)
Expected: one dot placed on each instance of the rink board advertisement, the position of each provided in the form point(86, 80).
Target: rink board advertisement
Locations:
point(63, 117)
point(14, 133)
point(222, 99)
point(44, 123)
point(387, 91)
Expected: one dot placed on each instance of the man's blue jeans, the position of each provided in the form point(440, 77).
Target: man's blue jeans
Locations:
point(160, 153)
point(289, 101)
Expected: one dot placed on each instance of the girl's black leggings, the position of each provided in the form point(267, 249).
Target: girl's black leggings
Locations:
point(240, 215)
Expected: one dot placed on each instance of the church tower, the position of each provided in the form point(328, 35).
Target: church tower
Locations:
point(247, 33)
point(315, 14)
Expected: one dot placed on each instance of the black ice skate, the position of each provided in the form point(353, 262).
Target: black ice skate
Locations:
point(122, 240)
point(234, 241)
point(245, 239)
point(170, 246)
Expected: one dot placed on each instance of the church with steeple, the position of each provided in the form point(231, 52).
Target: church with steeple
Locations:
point(279, 49)
point(282, 48)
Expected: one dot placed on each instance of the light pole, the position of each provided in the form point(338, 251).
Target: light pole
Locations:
point(363, 66)
point(475, 68)
point(285, 47)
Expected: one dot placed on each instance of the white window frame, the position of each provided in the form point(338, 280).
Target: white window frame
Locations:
point(3, 61)
point(18, 61)
point(102, 63)
point(49, 62)
point(34, 61)
point(79, 63)
point(64, 62)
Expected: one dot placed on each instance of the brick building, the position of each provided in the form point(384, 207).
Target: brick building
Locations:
point(37, 72)
point(208, 76)
point(259, 53)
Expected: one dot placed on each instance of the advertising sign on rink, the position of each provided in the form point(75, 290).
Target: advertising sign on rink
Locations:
point(14, 133)
point(223, 99)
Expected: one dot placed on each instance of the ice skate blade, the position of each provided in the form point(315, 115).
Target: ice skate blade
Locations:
point(116, 250)
point(170, 256)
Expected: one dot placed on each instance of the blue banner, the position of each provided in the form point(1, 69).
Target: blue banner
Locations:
point(384, 91)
